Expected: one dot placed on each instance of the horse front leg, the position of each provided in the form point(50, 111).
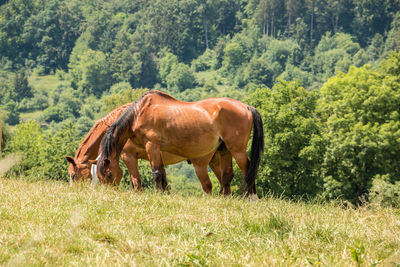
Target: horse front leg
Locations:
point(157, 166)
point(131, 162)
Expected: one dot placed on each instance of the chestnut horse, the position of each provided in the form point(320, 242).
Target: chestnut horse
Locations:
point(88, 150)
point(159, 123)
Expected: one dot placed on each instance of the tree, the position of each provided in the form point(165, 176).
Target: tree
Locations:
point(292, 153)
point(91, 72)
point(208, 60)
point(21, 86)
point(333, 54)
point(233, 56)
point(125, 61)
point(123, 96)
point(165, 65)
point(258, 72)
point(11, 114)
point(361, 129)
point(393, 38)
point(180, 78)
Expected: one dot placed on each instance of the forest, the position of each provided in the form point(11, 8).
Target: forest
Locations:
point(325, 76)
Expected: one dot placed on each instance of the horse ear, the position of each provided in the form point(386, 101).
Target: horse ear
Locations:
point(70, 160)
point(93, 161)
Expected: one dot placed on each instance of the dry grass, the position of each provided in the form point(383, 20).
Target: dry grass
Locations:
point(8, 162)
point(48, 223)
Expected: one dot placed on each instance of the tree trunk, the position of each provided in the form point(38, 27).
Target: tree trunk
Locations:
point(312, 22)
point(205, 30)
point(336, 23)
point(264, 28)
point(272, 28)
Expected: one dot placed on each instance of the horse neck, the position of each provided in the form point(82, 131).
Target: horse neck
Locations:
point(122, 139)
point(89, 148)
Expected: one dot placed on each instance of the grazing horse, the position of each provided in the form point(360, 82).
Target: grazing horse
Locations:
point(88, 150)
point(159, 123)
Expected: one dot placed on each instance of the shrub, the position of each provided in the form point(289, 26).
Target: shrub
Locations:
point(361, 129)
point(208, 60)
point(385, 193)
point(292, 153)
point(180, 78)
point(43, 153)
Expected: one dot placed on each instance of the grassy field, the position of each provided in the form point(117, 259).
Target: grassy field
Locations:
point(49, 223)
point(48, 83)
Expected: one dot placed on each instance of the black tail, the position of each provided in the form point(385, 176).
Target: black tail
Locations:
point(257, 148)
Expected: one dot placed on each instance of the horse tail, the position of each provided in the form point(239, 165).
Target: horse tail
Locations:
point(257, 149)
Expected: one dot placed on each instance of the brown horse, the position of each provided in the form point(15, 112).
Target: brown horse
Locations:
point(88, 150)
point(158, 122)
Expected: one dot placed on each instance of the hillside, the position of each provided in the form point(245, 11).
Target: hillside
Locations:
point(49, 223)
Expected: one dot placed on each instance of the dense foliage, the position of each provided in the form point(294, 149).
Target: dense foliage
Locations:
point(321, 73)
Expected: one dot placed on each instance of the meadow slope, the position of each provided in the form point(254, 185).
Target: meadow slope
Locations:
point(48, 223)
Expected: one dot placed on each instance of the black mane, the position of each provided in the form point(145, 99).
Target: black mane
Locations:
point(123, 123)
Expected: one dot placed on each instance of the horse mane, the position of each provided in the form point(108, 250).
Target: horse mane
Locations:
point(106, 121)
point(125, 121)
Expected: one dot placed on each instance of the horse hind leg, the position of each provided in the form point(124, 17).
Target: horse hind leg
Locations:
point(216, 168)
point(221, 164)
point(227, 171)
point(200, 167)
point(243, 162)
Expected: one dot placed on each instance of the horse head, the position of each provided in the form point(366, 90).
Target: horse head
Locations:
point(78, 171)
point(109, 171)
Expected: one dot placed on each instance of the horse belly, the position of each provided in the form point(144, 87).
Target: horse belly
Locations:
point(189, 144)
point(169, 159)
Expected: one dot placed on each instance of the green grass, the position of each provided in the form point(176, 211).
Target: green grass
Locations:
point(35, 115)
point(48, 83)
point(49, 223)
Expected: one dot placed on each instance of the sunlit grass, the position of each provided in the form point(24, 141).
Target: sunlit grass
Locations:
point(47, 83)
point(35, 115)
point(49, 223)
point(8, 162)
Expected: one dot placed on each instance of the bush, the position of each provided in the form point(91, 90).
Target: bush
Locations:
point(124, 96)
point(90, 73)
point(361, 130)
point(385, 193)
point(56, 113)
point(233, 56)
point(39, 101)
point(43, 154)
point(258, 72)
point(167, 61)
point(208, 60)
point(10, 113)
point(292, 153)
point(180, 78)
point(28, 140)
